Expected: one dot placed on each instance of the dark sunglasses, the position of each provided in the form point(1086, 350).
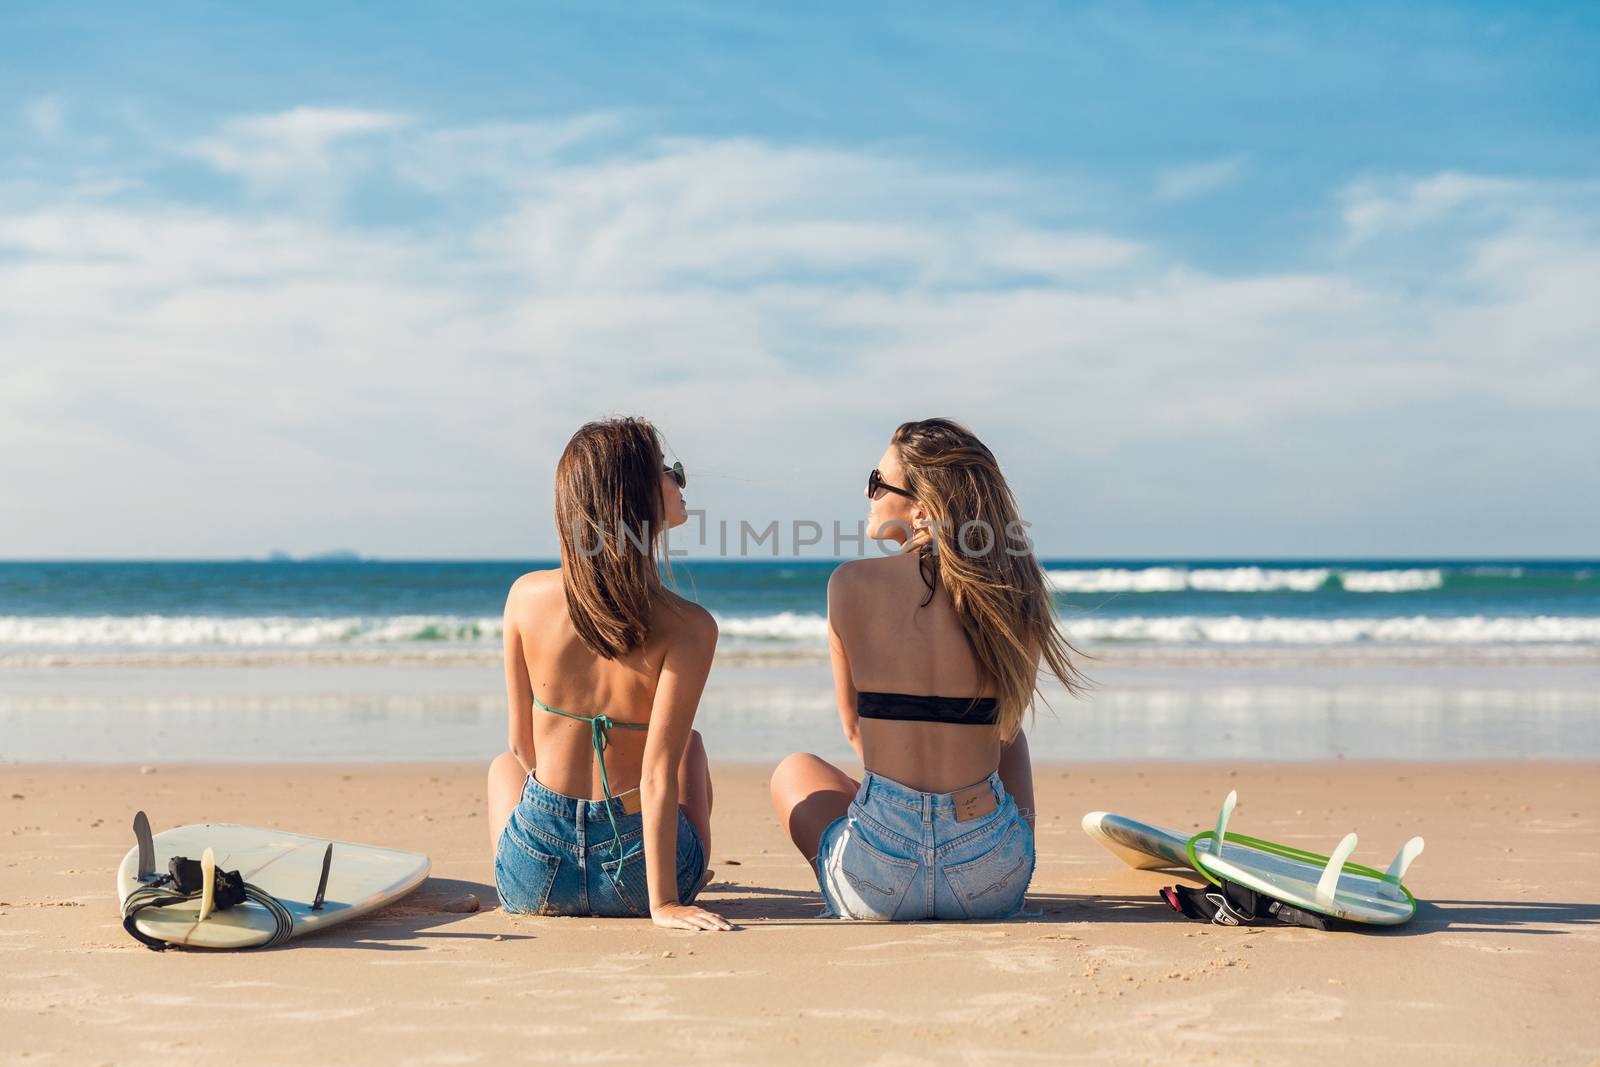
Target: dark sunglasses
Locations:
point(876, 482)
point(676, 470)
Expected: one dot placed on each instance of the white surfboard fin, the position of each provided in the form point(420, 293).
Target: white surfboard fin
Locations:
point(208, 884)
point(147, 847)
point(1328, 884)
point(1222, 820)
point(1402, 863)
point(322, 883)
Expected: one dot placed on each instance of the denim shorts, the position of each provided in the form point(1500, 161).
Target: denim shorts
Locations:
point(555, 857)
point(901, 854)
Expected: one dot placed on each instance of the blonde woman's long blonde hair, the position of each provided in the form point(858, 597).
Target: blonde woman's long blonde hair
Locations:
point(980, 552)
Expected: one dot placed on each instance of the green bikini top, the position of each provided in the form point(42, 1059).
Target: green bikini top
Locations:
point(599, 731)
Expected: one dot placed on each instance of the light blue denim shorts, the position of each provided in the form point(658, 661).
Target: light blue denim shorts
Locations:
point(555, 857)
point(901, 854)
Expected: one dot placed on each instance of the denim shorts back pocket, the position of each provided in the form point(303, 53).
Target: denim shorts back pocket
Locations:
point(632, 889)
point(873, 882)
point(993, 885)
point(522, 876)
point(625, 889)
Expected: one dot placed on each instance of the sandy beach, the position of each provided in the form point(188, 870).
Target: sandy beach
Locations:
point(1229, 370)
point(1498, 967)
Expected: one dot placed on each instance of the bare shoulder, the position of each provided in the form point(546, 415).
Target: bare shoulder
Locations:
point(685, 624)
point(861, 573)
point(533, 589)
point(849, 573)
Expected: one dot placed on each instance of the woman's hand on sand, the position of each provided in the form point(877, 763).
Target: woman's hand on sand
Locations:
point(688, 917)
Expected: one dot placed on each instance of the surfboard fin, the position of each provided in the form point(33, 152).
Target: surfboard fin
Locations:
point(322, 883)
point(1222, 820)
point(1402, 863)
point(147, 847)
point(208, 884)
point(1328, 884)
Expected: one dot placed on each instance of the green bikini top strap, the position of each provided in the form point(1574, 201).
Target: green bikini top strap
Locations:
point(599, 729)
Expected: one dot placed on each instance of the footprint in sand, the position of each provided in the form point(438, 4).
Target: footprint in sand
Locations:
point(857, 1015)
point(1305, 1006)
point(1023, 959)
point(934, 937)
point(1123, 954)
point(1480, 945)
point(322, 1015)
point(991, 1008)
point(1175, 1015)
point(1209, 1017)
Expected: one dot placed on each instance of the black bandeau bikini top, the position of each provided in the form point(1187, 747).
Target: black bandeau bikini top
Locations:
point(907, 707)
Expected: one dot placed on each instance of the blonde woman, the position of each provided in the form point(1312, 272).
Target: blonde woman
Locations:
point(936, 652)
point(602, 806)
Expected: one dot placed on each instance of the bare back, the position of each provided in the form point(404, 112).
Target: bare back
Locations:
point(560, 670)
point(884, 641)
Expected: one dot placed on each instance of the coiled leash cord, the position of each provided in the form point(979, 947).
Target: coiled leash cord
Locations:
point(184, 881)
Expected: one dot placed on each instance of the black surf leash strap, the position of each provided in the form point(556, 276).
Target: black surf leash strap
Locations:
point(184, 881)
point(1231, 904)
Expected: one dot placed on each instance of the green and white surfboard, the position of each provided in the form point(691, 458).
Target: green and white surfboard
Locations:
point(1328, 885)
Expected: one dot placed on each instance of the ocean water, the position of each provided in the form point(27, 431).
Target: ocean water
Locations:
point(71, 611)
point(1234, 660)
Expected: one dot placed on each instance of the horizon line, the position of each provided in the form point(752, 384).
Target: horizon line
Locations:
point(324, 559)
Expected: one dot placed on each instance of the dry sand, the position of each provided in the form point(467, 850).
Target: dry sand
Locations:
point(1500, 966)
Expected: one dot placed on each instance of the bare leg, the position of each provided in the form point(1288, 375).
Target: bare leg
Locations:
point(1016, 774)
point(808, 793)
point(506, 778)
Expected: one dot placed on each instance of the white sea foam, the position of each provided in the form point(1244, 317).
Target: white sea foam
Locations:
point(784, 626)
point(1240, 580)
point(1419, 629)
point(1398, 581)
point(280, 631)
point(415, 633)
point(168, 631)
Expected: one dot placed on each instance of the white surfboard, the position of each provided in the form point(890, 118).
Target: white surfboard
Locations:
point(1140, 845)
point(1328, 885)
point(284, 865)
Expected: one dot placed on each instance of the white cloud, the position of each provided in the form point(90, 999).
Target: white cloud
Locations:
point(44, 115)
point(1376, 207)
point(510, 155)
point(1469, 203)
point(1199, 179)
point(291, 145)
point(220, 380)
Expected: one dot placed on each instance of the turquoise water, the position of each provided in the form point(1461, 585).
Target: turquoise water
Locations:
point(1313, 659)
point(777, 606)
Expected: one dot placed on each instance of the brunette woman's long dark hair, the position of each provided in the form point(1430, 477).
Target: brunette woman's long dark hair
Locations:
point(609, 512)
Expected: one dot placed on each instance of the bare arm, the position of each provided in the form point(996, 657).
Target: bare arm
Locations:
point(519, 691)
point(1016, 774)
point(844, 686)
point(1016, 766)
point(683, 677)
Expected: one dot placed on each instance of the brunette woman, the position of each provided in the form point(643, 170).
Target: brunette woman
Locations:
point(602, 806)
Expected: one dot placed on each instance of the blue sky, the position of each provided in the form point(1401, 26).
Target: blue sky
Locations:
point(1212, 281)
